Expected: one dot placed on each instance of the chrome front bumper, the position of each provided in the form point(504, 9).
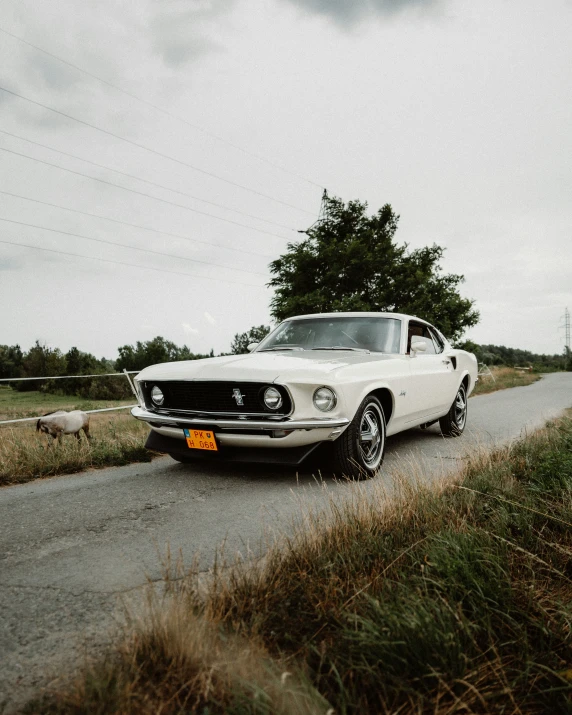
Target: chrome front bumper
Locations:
point(247, 424)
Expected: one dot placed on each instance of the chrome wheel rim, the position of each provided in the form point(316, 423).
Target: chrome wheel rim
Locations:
point(371, 436)
point(461, 408)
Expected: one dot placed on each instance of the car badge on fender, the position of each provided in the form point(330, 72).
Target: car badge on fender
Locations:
point(238, 396)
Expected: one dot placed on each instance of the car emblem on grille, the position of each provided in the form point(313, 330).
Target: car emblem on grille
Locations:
point(238, 396)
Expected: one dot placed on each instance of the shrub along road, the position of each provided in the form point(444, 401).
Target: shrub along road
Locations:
point(73, 548)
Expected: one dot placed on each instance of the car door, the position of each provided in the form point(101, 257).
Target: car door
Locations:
point(432, 376)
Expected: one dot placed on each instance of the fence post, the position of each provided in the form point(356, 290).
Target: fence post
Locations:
point(131, 385)
point(485, 371)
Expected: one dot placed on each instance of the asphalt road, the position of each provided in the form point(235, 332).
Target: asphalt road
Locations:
point(74, 549)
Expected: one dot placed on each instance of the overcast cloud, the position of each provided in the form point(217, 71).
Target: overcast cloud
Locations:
point(346, 13)
point(183, 31)
point(457, 114)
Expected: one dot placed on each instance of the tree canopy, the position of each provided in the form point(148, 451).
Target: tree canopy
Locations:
point(350, 262)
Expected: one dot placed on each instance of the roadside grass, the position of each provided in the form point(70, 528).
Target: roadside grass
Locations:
point(117, 439)
point(436, 599)
point(504, 377)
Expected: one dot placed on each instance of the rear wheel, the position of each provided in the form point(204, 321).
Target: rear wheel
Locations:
point(358, 452)
point(453, 423)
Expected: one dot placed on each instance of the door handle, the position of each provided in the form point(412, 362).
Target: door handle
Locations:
point(446, 362)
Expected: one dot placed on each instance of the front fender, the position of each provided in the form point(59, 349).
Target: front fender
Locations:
point(386, 392)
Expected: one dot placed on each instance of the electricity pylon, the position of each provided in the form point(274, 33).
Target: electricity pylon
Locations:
point(323, 214)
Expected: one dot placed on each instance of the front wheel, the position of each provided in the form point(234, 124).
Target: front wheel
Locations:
point(453, 423)
point(358, 452)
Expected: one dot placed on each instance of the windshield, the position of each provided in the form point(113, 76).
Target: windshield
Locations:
point(380, 335)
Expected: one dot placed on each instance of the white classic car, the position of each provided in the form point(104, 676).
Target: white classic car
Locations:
point(345, 381)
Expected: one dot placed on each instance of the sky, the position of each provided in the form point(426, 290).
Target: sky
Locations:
point(228, 118)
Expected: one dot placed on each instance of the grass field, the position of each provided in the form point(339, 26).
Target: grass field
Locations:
point(446, 599)
point(14, 405)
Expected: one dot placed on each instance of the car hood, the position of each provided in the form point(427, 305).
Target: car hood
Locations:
point(261, 366)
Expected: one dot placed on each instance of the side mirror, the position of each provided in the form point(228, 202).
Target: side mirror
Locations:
point(419, 346)
point(251, 346)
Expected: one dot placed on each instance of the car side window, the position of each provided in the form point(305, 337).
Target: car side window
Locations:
point(421, 333)
point(438, 343)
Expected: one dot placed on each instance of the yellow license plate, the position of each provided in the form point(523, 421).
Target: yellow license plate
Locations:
point(201, 439)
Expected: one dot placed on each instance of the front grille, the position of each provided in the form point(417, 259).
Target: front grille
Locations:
point(216, 397)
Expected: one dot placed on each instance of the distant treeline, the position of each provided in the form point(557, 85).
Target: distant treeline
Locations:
point(500, 355)
point(41, 360)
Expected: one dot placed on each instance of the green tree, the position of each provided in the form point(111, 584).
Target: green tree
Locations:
point(350, 262)
point(241, 341)
point(11, 361)
point(41, 361)
point(80, 363)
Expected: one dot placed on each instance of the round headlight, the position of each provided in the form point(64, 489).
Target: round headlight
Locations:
point(157, 396)
point(324, 399)
point(272, 398)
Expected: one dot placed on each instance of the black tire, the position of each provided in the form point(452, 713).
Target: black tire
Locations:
point(453, 423)
point(358, 453)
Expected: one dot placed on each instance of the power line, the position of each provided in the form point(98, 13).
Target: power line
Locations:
point(131, 265)
point(152, 151)
point(133, 248)
point(163, 111)
point(146, 181)
point(141, 193)
point(135, 225)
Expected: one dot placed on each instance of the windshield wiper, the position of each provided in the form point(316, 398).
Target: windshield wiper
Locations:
point(341, 347)
point(281, 347)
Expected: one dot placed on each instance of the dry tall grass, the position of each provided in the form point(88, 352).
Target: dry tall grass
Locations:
point(455, 599)
point(192, 666)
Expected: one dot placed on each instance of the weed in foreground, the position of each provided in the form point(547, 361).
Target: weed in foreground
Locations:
point(175, 661)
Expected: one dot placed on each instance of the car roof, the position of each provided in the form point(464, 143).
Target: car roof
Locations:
point(358, 314)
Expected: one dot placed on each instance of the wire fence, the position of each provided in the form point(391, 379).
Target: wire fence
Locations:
point(125, 373)
point(70, 377)
point(87, 412)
